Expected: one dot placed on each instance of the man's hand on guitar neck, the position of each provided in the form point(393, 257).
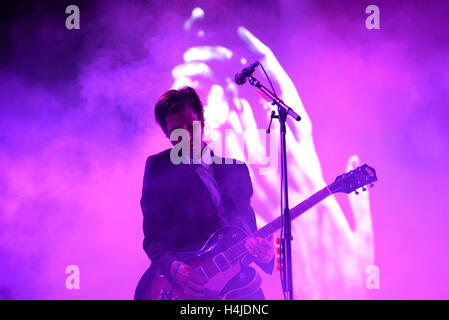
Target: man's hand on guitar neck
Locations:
point(262, 249)
point(192, 283)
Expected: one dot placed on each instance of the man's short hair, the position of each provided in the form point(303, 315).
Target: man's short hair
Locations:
point(174, 101)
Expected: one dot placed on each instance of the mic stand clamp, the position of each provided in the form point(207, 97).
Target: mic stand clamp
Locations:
point(272, 116)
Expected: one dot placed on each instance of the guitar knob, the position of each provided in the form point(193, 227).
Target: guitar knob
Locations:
point(364, 189)
point(356, 192)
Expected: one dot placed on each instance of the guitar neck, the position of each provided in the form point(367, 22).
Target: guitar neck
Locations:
point(238, 250)
point(295, 212)
point(347, 183)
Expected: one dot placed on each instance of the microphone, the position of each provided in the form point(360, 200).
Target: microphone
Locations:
point(240, 77)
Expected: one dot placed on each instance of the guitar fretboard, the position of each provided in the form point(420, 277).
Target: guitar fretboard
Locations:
point(238, 250)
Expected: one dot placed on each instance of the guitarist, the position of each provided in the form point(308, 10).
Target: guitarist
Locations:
point(183, 204)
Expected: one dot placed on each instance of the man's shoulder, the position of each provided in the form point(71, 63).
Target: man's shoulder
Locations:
point(159, 159)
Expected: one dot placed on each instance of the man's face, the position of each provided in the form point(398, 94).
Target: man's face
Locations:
point(184, 120)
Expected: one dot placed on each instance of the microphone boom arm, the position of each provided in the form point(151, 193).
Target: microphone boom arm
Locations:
point(275, 99)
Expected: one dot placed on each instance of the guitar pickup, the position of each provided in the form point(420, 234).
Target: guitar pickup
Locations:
point(221, 262)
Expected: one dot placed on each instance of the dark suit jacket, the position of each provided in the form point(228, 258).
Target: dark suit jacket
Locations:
point(178, 211)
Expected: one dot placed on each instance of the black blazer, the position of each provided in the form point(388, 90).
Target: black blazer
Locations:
point(178, 212)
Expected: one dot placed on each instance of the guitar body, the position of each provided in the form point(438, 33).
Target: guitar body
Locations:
point(226, 280)
point(223, 260)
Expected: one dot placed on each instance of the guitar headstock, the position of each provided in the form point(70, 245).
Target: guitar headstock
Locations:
point(354, 179)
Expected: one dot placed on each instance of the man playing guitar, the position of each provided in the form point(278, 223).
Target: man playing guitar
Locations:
point(184, 203)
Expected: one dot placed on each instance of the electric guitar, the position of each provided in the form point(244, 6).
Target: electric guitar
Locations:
point(224, 260)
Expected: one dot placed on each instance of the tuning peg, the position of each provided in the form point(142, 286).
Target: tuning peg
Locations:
point(371, 185)
point(356, 192)
point(364, 189)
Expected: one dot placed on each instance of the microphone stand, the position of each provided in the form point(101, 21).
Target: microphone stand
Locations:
point(285, 245)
